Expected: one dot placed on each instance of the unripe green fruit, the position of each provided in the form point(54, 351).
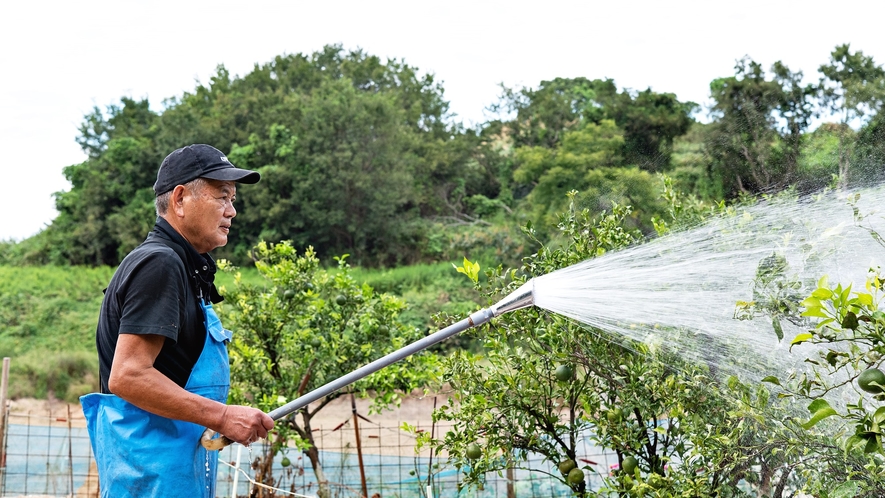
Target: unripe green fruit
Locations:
point(340, 299)
point(575, 476)
point(473, 451)
point(564, 373)
point(629, 465)
point(614, 415)
point(289, 293)
point(866, 379)
point(286, 462)
point(567, 466)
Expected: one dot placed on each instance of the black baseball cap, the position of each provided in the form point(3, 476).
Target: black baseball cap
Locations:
point(199, 161)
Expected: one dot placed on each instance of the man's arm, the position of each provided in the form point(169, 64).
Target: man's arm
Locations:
point(134, 378)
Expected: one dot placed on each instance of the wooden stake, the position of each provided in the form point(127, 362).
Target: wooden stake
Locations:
point(359, 446)
point(4, 388)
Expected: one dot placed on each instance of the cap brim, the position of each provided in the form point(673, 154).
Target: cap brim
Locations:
point(233, 175)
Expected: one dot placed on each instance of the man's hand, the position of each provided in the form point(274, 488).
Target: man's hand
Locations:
point(134, 378)
point(244, 425)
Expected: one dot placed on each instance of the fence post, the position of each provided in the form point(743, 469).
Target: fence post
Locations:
point(359, 446)
point(70, 452)
point(511, 478)
point(4, 387)
point(233, 491)
point(430, 460)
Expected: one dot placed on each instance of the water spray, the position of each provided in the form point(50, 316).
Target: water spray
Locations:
point(522, 297)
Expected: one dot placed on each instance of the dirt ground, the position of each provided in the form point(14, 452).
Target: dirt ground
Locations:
point(416, 409)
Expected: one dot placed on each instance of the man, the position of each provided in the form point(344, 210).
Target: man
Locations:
point(163, 361)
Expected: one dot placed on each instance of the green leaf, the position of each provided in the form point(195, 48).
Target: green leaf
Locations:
point(852, 443)
point(811, 302)
point(469, 269)
point(879, 416)
point(865, 299)
point(822, 293)
point(818, 404)
point(778, 330)
point(820, 410)
point(846, 292)
point(847, 489)
point(799, 339)
point(815, 312)
point(771, 379)
point(872, 445)
point(832, 357)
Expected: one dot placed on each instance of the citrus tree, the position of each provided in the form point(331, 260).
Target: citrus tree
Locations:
point(304, 327)
point(845, 386)
point(542, 383)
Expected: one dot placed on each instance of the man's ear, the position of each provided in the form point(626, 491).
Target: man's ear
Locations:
point(177, 200)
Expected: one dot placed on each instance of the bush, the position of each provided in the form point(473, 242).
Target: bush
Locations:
point(62, 375)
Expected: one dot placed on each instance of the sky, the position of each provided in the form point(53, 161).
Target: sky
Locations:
point(59, 60)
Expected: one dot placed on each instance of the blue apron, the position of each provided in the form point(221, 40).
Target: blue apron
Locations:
point(140, 454)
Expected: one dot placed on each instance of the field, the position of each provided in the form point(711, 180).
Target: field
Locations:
point(48, 316)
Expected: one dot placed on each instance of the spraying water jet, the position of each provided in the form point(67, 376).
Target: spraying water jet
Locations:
point(522, 297)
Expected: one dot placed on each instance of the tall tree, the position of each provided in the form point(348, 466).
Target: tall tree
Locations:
point(869, 154)
point(342, 180)
point(588, 162)
point(110, 205)
point(651, 121)
point(541, 116)
point(795, 110)
point(759, 121)
point(357, 153)
point(853, 88)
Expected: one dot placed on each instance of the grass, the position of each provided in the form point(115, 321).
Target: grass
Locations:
point(48, 317)
point(49, 308)
point(427, 288)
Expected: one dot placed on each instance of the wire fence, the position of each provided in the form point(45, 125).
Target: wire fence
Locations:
point(50, 456)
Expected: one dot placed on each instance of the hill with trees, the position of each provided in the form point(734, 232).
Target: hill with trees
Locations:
point(361, 156)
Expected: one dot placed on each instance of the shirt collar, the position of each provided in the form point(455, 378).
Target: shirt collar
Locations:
point(200, 266)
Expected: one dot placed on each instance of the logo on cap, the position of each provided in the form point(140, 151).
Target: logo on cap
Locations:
point(224, 158)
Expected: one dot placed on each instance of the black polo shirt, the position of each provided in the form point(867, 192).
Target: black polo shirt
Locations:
point(156, 290)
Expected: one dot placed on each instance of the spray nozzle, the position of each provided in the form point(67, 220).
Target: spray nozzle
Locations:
point(523, 297)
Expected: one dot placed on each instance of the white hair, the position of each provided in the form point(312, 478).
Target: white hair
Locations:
point(194, 186)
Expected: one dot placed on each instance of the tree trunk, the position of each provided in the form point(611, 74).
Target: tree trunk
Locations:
point(511, 480)
point(264, 473)
point(764, 481)
point(313, 454)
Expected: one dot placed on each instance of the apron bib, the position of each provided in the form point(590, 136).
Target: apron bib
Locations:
point(140, 454)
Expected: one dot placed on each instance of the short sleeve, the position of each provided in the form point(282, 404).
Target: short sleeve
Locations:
point(153, 300)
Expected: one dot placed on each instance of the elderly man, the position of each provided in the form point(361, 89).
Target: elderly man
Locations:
point(162, 351)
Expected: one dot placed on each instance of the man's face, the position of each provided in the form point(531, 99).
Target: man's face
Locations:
point(208, 213)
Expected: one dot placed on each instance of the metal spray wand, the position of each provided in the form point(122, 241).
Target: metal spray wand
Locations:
point(522, 297)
